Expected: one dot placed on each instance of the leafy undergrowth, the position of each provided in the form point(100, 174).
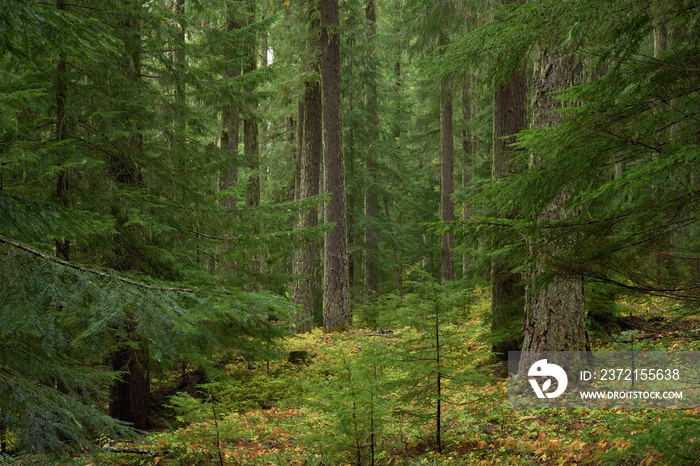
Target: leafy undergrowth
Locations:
point(363, 397)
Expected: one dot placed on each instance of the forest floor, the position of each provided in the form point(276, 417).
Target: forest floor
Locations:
point(321, 411)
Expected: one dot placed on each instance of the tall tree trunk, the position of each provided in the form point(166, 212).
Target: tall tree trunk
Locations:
point(229, 138)
point(397, 257)
point(396, 133)
point(336, 292)
point(554, 310)
point(230, 127)
point(448, 270)
point(309, 158)
point(310, 168)
point(251, 145)
point(179, 53)
point(351, 155)
point(660, 28)
point(510, 116)
point(299, 148)
point(251, 148)
point(662, 41)
point(129, 397)
point(468, 150)
point(62, 133)
point(371, 164)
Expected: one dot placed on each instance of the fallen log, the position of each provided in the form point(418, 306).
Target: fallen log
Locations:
point(138, 451)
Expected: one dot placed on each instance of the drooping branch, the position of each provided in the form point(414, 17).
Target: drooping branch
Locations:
point(91, 270)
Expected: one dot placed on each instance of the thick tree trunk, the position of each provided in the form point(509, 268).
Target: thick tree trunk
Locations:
point(336, 293)
point(554, 309)
point(372, 166)
point(447, 210)
point(510, 116)
point(304, 263)
point(129, 396)
point(660, 28)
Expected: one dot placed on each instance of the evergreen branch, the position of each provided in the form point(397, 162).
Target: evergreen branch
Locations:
point(204, 235)
point(99, 10)
point(19, 394)
point(93, 271)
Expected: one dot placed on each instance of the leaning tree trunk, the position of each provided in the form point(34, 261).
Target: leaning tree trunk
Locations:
point(336, 290)
point(509, 117)
point(554, 310)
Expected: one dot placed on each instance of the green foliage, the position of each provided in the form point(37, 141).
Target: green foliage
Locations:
point(668, 438)
point(431, 355)
point(128, 186)
point(62, 312)
point(655, 437)
point(637, 230)
point(356, 395)
point(127, 191)
point(330, 403)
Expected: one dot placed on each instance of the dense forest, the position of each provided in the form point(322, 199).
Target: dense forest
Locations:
point(286, 232)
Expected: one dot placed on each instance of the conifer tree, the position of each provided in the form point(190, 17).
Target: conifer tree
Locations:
point(130, 395)
point(448, 267)
point(554, 307)
point(308, 180)
point(230, 118)
point(251, 136)
point(62, 133)
point(311, 158)
point(470, 150)
point(434, 28)
point(134, 206)
point(336, 292)
point(371, 163)
point(510, 117)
